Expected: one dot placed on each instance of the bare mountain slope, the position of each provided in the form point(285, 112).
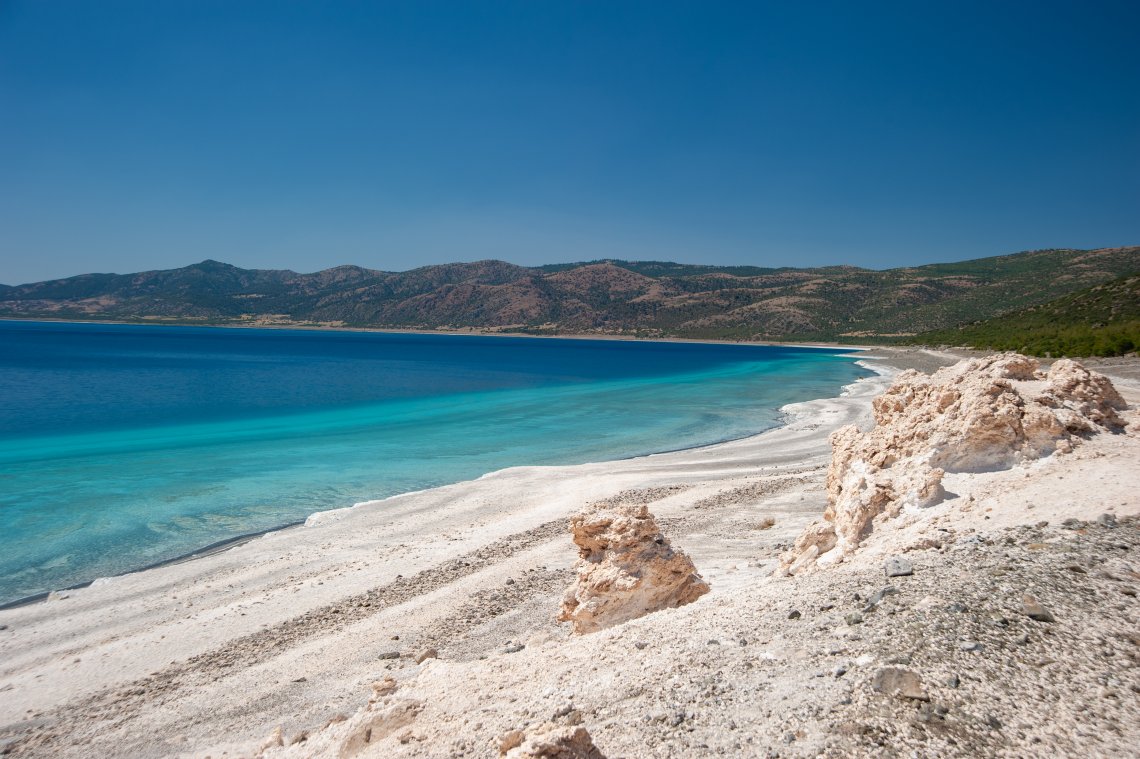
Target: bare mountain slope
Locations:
point(604, 297)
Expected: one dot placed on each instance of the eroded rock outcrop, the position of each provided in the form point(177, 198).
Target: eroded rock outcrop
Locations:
point(549, 741)
point(978, 415)
point(626, 568)
point(377, 722)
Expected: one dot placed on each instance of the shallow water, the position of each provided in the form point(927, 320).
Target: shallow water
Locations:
point(121, 446)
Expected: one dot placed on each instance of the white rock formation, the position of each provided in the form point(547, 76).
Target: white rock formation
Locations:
point(626, 568)
point(978, 415)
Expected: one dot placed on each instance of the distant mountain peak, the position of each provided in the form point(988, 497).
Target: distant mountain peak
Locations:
point(211, 264)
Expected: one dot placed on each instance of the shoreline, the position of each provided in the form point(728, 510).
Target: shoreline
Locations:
point(424, 552)
point(218, 546)
point(251, 650)
point(316, 517)
point(786, 418)
point(451, 333)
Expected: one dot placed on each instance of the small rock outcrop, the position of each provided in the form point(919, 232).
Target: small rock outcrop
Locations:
point(978, 415)
point(626, 568)
point(549, 741)
point(376, 722)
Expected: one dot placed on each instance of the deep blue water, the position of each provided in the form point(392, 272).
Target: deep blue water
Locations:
point(121, 446)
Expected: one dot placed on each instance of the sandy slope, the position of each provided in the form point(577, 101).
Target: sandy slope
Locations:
point(208, 657)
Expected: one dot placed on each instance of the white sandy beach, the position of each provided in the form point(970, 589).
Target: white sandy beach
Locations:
point(209, 657)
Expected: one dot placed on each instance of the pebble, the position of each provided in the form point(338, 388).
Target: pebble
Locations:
point(430, 653)
point(875, 600)
point(390, 655)
point(1034, 610)
point(953, 681)
point(640, 644)
point(793, 614)
point(1106, 520)
point(854, 618)
point(513, 648)
point(897, 566)
point(970, 645)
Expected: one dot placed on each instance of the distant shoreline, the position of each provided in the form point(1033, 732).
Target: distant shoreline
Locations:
point(457, 333)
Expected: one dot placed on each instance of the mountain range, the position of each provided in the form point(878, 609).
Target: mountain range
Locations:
point(646, 298)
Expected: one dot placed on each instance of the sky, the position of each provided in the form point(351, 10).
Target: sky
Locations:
point(154, 133)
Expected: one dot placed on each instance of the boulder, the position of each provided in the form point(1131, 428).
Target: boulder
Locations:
point(978, 415)
point(626, 568)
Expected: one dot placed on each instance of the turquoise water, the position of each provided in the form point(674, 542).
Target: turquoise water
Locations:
point(122, 446)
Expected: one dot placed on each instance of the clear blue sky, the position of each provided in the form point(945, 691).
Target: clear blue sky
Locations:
point(153, 134)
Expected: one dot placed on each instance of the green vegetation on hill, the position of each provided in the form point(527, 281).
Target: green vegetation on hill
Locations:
point(1103, 320)
point(610, 297)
